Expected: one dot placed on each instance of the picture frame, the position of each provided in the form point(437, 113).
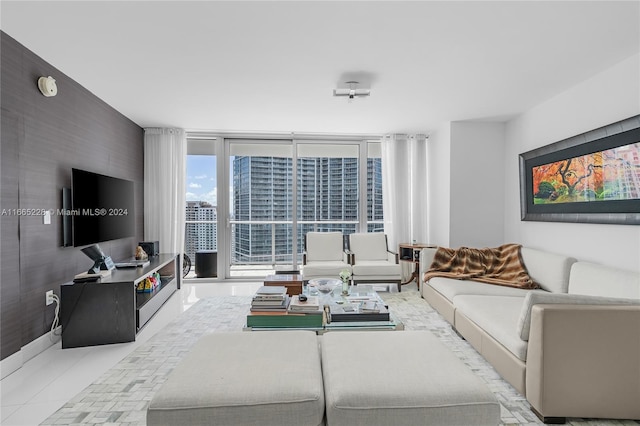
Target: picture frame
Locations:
point(593, 177)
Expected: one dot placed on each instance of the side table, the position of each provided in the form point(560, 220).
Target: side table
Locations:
point(410, 252)
point(293, 282)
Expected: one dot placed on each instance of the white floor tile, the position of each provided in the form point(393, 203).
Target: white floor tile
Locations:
point(46, 382)
point(6, 411)
point(32, 414)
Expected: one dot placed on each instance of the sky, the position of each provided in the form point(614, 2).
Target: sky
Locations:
point(201, 179)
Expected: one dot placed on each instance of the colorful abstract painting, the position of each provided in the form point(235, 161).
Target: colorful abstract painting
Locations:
point(612, 174)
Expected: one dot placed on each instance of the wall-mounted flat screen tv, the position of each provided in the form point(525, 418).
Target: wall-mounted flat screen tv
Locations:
point(102, 208)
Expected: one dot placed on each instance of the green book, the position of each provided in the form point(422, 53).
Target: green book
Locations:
point(276, 320)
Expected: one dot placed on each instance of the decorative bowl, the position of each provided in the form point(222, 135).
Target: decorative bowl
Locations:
point(325, 285)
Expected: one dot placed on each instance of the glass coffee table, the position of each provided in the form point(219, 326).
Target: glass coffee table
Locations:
point(361, 309)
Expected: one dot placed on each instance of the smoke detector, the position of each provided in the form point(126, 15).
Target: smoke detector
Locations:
point(352, 91)
point(47, 86)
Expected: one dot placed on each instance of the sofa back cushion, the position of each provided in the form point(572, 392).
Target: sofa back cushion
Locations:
point(550, 270)
point(539, 297)
point(599, 280)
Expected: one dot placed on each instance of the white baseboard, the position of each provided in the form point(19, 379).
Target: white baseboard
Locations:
point(11, 364)
point(14, 362)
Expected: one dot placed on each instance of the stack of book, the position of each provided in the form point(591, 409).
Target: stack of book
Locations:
point(306, 314)
point(270, 298)
point(311, 306)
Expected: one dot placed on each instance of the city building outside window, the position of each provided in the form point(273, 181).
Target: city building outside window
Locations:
point(337, 187)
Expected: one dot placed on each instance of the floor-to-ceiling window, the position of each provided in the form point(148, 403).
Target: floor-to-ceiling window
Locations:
point(201, 215)
point(270, 192)
point(328, 192)
point(375, 217)
point(261, 206)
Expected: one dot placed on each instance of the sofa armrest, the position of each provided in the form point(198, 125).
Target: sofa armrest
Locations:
point(347, 257)
point(426, 259)
point(393, 257)
point(584, 361)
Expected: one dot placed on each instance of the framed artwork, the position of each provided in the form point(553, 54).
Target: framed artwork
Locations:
point(593, 177)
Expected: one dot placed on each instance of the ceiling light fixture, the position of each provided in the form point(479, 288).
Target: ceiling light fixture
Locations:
point(352, 91)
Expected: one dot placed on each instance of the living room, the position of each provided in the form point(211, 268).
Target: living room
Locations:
point(483, 80)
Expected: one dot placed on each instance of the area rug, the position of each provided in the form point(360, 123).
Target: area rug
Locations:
point(121, 395)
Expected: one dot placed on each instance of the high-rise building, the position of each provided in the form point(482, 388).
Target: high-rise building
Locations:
point(375, 216)
point(262, 192)
point(201, 227)
point(327, 192)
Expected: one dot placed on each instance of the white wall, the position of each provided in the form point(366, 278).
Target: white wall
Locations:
point(477, 187)
point(610, 96)
point(466, 201)
point(439, 192)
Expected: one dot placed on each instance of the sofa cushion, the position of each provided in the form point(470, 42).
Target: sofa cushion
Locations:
point(534, 298)
point(431, 385)
point(260, 378)
point(550, 270)
point(598, 280)
point(497, 316)
point(451, 288)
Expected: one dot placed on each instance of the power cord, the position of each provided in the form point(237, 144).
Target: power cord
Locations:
point(56, 319)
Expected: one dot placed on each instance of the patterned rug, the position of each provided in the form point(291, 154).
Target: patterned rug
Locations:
point(121, 395)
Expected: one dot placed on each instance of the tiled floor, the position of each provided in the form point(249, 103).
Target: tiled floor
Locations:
point(49, 380)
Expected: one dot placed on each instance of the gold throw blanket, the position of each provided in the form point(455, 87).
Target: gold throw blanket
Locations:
point(501, 265)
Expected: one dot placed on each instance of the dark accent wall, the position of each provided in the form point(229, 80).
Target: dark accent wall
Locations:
point(42, 139)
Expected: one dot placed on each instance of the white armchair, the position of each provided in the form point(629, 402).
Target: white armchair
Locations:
point(372, 261)
point(324, 255)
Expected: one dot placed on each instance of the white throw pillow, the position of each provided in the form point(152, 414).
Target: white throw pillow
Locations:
point(537, 297)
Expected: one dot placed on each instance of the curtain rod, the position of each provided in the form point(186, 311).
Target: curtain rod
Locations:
point(200, 134)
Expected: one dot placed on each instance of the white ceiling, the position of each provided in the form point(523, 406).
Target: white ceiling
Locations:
point(272, 66)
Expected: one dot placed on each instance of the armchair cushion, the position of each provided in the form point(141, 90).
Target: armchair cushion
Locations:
point(368, 246)
point(370, 268)
point(324, 246)
point(328, 269)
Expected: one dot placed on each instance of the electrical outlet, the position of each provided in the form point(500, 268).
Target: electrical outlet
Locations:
point(49, 297)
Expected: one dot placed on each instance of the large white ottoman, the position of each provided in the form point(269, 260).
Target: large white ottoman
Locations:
point(400, 378)
point(241, 378)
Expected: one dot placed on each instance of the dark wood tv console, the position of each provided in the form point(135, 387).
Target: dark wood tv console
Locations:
point(110, 310)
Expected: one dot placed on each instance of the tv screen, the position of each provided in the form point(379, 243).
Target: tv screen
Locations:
point(103, 208)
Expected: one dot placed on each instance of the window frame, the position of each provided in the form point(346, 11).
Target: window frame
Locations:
point(221, 144)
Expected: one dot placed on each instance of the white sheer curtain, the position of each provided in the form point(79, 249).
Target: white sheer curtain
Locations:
point(404, 189)
point(165, 160)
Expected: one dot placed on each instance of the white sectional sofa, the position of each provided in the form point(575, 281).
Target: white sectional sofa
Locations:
point(572, 348)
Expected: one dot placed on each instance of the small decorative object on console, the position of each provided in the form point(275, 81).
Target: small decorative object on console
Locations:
point(141, 254)
point(149, 284)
